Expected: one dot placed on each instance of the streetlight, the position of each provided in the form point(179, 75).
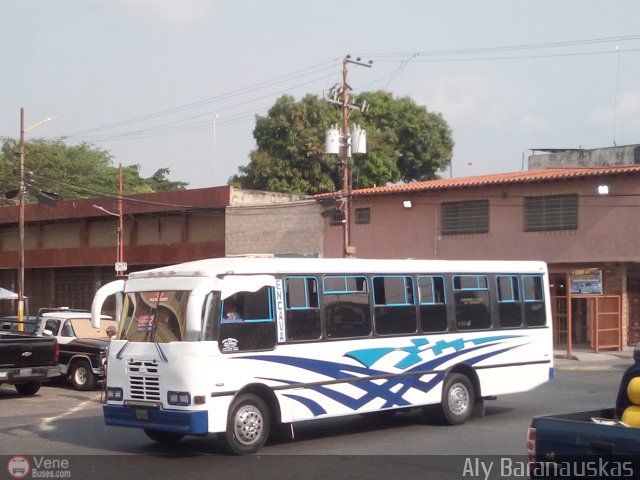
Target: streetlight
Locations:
point(121, 265)
point(21, 193)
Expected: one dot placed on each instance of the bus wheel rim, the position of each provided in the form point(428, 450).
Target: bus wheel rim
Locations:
point(458, 399)
point(248, 425)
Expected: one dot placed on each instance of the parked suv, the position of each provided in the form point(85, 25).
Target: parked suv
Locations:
point(83, 349)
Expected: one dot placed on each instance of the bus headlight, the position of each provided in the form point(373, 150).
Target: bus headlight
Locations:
point(182, 399)
point(114, 394)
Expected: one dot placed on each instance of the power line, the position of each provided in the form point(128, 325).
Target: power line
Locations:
point(225, 96)
point(504, 48)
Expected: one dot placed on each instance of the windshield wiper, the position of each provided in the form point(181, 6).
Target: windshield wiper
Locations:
point(119, 354)
point(163, 357)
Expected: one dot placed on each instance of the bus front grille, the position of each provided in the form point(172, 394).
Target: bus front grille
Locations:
point(144, 388)
point(144, 382)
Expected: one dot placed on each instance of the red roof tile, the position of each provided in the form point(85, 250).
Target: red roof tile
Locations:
point(529, 176)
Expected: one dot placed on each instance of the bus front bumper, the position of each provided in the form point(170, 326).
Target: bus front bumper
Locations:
point(178, 421)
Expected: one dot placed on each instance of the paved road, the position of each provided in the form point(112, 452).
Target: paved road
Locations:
point(62, 423)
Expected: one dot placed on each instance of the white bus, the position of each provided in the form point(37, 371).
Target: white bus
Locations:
point(240, 345)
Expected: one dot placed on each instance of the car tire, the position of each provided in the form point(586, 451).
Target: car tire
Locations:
point(30, 388)
point(82, 377)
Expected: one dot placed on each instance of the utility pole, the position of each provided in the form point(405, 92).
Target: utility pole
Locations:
point(121, 265)
point(344, 154)
point(345, 149)
point(21, 201)
point(21, 192)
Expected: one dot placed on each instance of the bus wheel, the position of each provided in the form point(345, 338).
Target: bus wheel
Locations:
point(457, 399)
point(248, 425)
point(166, 438)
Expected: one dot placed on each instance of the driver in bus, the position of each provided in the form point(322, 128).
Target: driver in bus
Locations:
point(231, 314)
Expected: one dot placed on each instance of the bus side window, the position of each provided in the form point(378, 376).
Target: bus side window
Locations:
point(256, 330)
point(345, 301)
point(433, 305)
point(395, 309)
point(302, 308)
point(509, 301)
point(472, 302)
point(534, 308)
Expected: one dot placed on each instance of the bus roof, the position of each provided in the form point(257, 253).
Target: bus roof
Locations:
point(292, 265)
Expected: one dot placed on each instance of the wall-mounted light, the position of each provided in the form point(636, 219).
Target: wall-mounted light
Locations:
point(407, 204)
point(603, 189)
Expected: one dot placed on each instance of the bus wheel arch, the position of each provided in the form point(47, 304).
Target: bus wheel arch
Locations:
point(268, 396)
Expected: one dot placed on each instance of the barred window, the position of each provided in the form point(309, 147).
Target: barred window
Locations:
point(337, 218)
point(459, 218)
point(363, 216)
point(558, 212)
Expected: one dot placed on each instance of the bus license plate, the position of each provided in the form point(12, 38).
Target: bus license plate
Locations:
point(142, 414)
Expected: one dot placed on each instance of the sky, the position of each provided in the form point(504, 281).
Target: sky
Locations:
point(178, 83)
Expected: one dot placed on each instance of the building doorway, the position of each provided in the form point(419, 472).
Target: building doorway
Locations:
point(583, 321)
point(582, 311)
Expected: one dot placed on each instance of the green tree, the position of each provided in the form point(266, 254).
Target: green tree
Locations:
point(405, 143)
point(159, 182)
point(74, 171)
point(290, 155)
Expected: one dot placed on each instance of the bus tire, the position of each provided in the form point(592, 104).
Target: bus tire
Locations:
point(248, 425)
point(165, 438)
point(82, 377)
point(458, 399)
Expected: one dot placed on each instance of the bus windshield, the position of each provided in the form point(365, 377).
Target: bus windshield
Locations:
point(155, 316)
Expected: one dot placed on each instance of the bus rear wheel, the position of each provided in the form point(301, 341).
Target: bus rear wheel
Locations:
point(458, 399)
point(248, 425)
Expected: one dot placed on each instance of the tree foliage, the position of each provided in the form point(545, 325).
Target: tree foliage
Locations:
point(74, 171)
point(290, 154)
point(405, 143)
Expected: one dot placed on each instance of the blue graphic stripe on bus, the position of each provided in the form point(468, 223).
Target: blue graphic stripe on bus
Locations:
point(393, 389)
point(370, 356)
point(312, 405)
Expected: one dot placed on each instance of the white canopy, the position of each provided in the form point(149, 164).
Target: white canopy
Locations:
point(7, 294)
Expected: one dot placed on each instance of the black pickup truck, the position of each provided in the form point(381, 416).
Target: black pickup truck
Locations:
point(591, 444)
point(26, 360)
point(83, 349)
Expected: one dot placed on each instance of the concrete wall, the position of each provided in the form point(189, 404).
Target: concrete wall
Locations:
point(271, 223)
point(611, 156)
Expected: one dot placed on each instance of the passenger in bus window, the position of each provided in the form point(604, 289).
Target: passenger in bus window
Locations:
point(231, 314)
